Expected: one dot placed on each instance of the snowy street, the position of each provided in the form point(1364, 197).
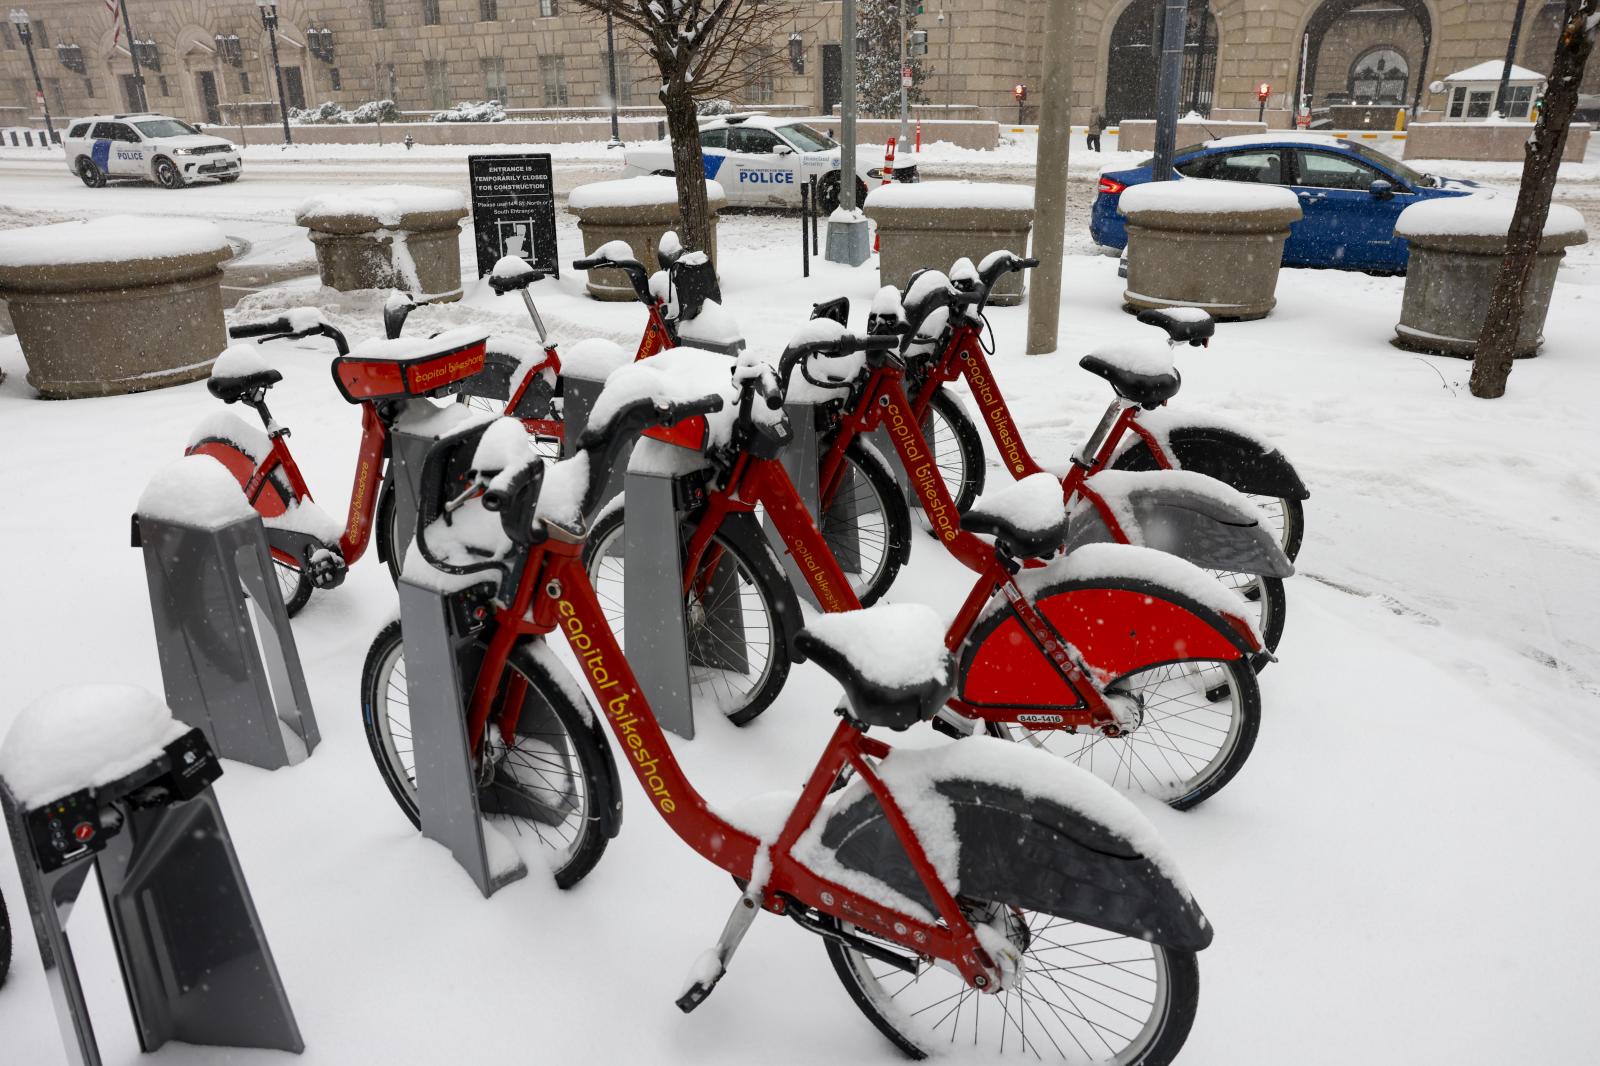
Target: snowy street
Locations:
point(1403, 873)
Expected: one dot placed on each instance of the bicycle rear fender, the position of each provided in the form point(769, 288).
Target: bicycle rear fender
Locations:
point(1229, 456)
point(1117, 626)
point(1183, 513)
point(240, 447)
point(1026, 851)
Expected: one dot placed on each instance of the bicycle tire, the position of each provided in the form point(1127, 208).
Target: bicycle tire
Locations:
point(1106, 981)
point(1266, 596)
point(5, 941)
point(293, 585)
point(586, 758)
point(712, 686)
point(867, 480)
point(962, 464)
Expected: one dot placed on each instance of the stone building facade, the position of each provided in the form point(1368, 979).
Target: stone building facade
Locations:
point(547, 56)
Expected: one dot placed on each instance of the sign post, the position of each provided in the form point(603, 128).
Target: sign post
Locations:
point(514, 210)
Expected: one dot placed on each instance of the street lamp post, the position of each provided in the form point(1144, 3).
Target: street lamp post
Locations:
point(269, 21)
point(611, 78)
point(19, 19)
point(143, 101)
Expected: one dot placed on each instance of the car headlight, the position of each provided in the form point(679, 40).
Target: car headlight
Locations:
point(183, 151)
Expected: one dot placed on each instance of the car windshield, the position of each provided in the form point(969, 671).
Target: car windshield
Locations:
point(806, 138)
point(1392, 165)
point(165, 127)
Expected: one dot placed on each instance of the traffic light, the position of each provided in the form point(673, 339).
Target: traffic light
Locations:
point(1020, 92)
point(1263, 91)
point(919, 43)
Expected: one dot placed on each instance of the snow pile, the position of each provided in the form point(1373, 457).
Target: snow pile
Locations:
point(195, 491)
point(635, 192)
point(402, 348)
point(503, 448)
point(1034, 505)
point(593, 359)
point(389, 204)
point(894, 645)
point(953, 195)
point(1481, 216)
point(84, 736)
point(239, 361)
point(1145, 356)
point(1200, 196)
point(111, 239)
point(305, 516)
point(511, 266)
point(561, 494)
point(714, 325)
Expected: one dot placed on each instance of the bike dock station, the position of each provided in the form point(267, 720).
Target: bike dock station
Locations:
point(229, 665)
point(193, 955)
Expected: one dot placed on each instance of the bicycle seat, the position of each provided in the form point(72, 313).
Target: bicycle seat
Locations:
point(1141, 372)
point(891, 660)
point(1027, 518)
point(238, 372)
point(1190, 324)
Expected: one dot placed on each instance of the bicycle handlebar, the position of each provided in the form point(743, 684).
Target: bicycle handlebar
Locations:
point(284, 327)
point(604, 446)
point(638, 276)
point(260, 329)
point(845, 344)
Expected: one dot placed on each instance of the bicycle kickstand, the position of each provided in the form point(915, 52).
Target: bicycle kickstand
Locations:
point(713, 962)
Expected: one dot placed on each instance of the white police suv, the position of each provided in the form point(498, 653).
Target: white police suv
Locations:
point(762, 161)
point(149, 147)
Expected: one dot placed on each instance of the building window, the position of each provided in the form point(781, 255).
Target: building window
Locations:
point(161, 85)
point(1519, 101)
point(548, 9)
point(244, 82)
point(760, 89)
point(494, 79)
point(1458, 102)
point(553, 71)
point(334, 81)
point(430, 12)
point(438, 83)
point(392, 81)
point(88, 87)
point(488, 10)
point(40, 34)
point(1379, 76)
point(1479, 104)
point(380, 16)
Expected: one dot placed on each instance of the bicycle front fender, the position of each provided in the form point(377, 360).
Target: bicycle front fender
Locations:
point(1228, 455)
point(1038, 849)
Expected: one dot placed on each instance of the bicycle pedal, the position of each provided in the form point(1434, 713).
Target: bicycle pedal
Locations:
point(326, 569)
point(703, 977)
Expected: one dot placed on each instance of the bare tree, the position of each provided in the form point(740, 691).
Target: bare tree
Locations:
point(704, 49)
point(1491, 364)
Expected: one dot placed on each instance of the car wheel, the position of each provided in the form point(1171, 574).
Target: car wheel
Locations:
point(91, 174)
point(828, 193)
point(167, 174)
point(663, 174)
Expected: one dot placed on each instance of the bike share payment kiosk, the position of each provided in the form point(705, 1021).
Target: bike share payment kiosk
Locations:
point(134, 802)
point(229, 665)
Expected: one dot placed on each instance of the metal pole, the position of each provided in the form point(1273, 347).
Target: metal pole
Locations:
point(611, 75)
point(949, 58)
point(143, 103)
point(1050, 183)
point(1511, 55)
point(38, 84)
point(847, 109)
point(1302, 101)
point(805, 238)
point(812, 182)
point(269, 19)
point(905, 91)
point(1174, 24)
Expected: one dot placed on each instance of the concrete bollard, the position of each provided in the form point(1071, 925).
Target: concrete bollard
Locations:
point(637, 211)
point(404, 237)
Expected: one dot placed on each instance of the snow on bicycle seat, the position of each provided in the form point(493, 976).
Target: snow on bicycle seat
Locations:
point(1028, 518)
point(239, 371)
point(378, 369)
point(1140, 371)
point(891, 660)
point(1192, 324)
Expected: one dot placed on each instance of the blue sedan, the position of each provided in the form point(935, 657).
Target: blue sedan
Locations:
point(1350, 195)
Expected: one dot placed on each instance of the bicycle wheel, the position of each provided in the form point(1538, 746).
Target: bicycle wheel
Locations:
point(549, 782)
point(293, 585)
point(957, 448)
point(1264, 598)
point(867, 524)
point(739, 610)
point(1196, 725)
point(5, 941)
point(1081, 995)
point(544, 447)
point(1285, 516)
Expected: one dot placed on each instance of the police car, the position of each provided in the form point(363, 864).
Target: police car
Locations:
point(762, 162)
point(149, 147)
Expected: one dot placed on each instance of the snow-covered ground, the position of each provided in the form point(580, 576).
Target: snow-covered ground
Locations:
point(1402, 873)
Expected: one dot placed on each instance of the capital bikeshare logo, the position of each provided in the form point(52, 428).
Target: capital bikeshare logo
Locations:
point(616, 705)
point(995, 409)
point(431, 375)
point(927, 477)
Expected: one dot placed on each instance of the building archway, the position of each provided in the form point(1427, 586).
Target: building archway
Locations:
point(1133, 61)
point(1338, 29)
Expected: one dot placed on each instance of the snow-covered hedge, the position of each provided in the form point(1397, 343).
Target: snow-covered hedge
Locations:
point(473, 111)
point(329, 113)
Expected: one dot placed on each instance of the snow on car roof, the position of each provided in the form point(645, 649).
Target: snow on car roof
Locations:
point(758, 120)
point(1286, 136)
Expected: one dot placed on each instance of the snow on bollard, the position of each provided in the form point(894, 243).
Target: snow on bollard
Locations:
point(118, 304)
point(932, 223)
point(404, 237)
point(102, 776)
point(1216, 245)
point(1456, 246)
point(229, 665)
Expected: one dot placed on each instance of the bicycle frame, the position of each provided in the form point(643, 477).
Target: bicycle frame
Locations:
point(553, 592)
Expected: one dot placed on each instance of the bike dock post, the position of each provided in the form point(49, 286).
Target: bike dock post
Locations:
point(652, 599)
point(192, 954)
point(802, 459)
point(584, 369)
point(229, 665)
point(414, 433)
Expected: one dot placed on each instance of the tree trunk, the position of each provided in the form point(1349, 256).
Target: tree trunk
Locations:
point(1491, 364)
point(683, 126)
